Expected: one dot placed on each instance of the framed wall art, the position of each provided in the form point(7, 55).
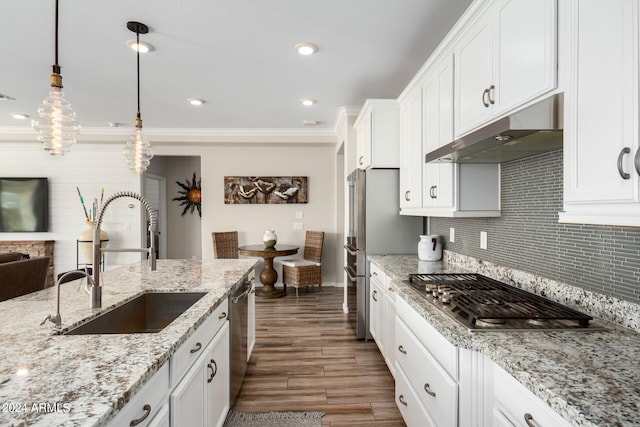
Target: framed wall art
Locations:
point(248, 190)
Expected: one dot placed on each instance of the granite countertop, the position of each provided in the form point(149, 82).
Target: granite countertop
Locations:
point(84, 380)
point(589, 378)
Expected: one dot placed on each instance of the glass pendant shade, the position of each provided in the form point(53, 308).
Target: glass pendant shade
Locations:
point(57, 127)
point(138, 152)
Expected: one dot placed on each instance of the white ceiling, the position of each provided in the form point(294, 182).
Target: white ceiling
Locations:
point(236, 54)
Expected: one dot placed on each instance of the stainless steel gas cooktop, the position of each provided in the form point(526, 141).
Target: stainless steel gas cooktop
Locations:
point(483, 304)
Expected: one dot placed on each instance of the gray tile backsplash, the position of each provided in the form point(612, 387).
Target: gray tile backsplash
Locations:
point(528, 236)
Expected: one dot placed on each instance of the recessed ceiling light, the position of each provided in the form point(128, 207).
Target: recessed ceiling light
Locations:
point(143, 47)
point(196, 101)
point(113, 124)
point(310, 122)
point(306, 48)
point(19, 116)
point(307, 101)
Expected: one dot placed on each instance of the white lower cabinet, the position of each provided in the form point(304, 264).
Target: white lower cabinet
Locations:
point(202, 396)
point(145, 408)
point(514, 405)
point(382, 315)
point(430, 365)
point(390, 330)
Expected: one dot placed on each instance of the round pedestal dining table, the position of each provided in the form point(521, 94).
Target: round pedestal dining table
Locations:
point(269, 275)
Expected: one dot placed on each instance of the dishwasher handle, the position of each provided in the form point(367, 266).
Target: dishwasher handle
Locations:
point(236, 298)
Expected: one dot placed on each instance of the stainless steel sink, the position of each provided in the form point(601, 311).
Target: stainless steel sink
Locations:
point(147, 313)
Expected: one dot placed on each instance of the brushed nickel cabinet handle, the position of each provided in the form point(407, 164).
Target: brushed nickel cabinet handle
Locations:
point(491, 92)
point(528, 418)
point(222, 315)
point(485, 95)
point(402, 350)
point(401, 399)
point(196, 348)
point(622, 173)
point(147, 411)
point(360, 160)
point(428, 390)
point(406, 195)
point(636, 161)
point(374, 296)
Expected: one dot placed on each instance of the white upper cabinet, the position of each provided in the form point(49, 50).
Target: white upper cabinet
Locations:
point(506, 58)
point(411, 159)
point(378, 134)
point(601, 149)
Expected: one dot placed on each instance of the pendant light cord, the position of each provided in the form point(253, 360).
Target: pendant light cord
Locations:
point(56, 66)
point(138, 67)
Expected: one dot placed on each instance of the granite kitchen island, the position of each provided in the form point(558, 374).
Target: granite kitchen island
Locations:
point(48, 379)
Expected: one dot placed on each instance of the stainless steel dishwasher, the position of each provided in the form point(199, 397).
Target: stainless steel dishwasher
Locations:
point(238, 321)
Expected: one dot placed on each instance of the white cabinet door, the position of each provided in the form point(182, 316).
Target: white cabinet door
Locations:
point(437, 119)
point(474, 67)
point(601, 120)
point(390, 330)
point(218, 371)
point(187, 400)
point(525, 51)
point(506, 59)
point(363, 139)
point(202, 396)
point(378, 134)
point(376, 312)
point(411, 158)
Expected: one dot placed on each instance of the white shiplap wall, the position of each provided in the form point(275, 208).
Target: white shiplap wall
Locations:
point(89, 167)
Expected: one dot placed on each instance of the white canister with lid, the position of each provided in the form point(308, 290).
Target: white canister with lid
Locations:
point(430, 247)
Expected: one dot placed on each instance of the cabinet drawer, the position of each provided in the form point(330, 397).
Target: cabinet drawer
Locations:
point(193, 347)
point(153, 393)
point(412, 411)
point(445, 353)
point(514, 402)
point(437, 391)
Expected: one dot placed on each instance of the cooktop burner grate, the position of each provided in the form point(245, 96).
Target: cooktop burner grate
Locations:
point(479, 302)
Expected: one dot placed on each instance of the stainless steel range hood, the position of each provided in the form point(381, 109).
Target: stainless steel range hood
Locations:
point(530, 131)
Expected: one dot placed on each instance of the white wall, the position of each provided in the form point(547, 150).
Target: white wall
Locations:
point(316, 161)
point(94, 165)
point(89, 167)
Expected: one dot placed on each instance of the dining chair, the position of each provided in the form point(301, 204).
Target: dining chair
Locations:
point(306, 271)
point(225, 244)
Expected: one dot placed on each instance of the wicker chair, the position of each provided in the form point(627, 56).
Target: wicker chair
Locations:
point(225, 244)
point(306, 271)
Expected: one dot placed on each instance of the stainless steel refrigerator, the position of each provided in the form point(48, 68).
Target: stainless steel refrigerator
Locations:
point(375, 227)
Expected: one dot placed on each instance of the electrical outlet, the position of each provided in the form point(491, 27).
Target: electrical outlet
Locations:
point(483, 240)
point(452, 235)
point(299, 215)
point(298, 225)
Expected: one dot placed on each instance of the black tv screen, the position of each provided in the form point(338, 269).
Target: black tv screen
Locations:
point(24, 204)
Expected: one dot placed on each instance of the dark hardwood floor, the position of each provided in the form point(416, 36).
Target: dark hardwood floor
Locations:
point(306, 358)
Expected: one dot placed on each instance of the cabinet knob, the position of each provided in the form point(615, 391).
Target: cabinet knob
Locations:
point(622, 173)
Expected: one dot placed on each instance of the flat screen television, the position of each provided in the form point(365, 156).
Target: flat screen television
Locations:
point(24, 204)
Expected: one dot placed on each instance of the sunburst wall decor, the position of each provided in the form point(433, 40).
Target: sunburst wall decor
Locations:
point(190, 195)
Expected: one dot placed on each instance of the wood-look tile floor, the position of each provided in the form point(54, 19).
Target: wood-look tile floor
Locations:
point(306, 358)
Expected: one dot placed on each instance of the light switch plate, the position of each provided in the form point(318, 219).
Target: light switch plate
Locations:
point(298, 225)
point(483, 240)
point(299, 215)
point(452, 235)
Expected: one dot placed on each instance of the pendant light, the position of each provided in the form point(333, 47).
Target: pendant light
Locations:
point(57, 126)
point(137, 151)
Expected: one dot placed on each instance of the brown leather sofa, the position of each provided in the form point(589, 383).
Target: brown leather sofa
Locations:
point(20, 276)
